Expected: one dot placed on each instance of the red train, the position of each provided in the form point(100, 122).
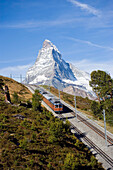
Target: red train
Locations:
point(52, 102)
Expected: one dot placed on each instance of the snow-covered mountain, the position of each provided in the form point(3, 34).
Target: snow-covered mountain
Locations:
point(51, 69)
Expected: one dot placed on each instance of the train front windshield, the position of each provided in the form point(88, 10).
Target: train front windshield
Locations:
point(56, 106)
point(60, 105)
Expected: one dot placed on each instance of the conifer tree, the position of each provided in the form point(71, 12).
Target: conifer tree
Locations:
point(102, 84)
point(1, 84)
point(36, 100)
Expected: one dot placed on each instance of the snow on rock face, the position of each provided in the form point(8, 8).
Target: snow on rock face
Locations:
point(48, 44)
point(83, 77)
point(49, 63)
point(51, 69)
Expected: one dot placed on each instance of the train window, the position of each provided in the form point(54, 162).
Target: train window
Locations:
point(56, 106)
point(57, 102)
point(44, 92)
point(60, 106)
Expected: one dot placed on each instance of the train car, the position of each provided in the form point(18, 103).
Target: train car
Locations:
point(52, 102)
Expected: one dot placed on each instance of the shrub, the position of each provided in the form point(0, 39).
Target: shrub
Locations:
point(93, 162)
point(70, 162)
point(49, 165)
point(23, 143)
point(29, 104)
point(15, 97)
point(34, 136)
point(58, 130)
point(33, 126)
point(1, 84)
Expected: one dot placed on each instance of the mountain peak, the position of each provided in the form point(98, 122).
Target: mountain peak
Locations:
point(49, 67)
point(47, 44)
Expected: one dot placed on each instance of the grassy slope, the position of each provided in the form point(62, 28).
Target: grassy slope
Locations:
point(14, 86)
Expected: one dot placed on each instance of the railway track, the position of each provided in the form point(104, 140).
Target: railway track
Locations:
point(109, 139)
point(95, 129)
point(87, 140)
point(91, 144)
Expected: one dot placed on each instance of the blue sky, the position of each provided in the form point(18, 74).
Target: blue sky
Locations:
point(82, 30)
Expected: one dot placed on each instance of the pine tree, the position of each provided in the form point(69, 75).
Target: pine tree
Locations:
point(102, 84)
point(36, 100)
point(1, 84)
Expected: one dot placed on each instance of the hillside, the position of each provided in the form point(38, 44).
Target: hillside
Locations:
point(36, 140)
point(22, 91)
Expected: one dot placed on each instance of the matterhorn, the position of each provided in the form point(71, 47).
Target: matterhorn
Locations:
point(51, 69)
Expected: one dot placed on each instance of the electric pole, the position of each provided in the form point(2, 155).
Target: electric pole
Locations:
point(105, 128)
point(75, 102)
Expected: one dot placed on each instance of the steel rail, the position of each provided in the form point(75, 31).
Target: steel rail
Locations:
point(109, 139)
point(91, 144)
